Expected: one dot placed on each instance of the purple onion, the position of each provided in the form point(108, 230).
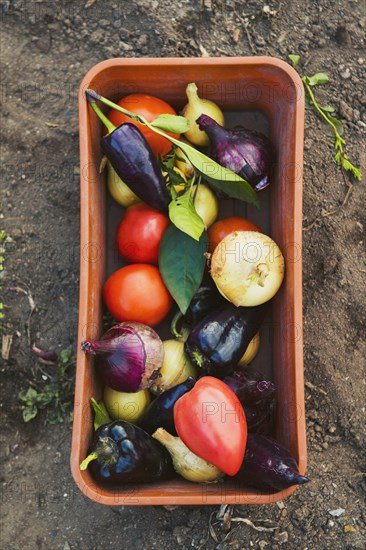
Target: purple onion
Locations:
point(130, 356)
point(245, 152)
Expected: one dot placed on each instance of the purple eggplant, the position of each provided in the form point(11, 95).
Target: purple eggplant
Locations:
point(257, 397)
point(123, 453)
point(159, 413)
point(246, 152)
point(250, 386)
point(219, 341)
point(133, 160)
point(267, 465)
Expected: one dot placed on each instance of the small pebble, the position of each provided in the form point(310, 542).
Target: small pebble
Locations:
point(337, 512)
point(360, 60)
point(345, 110)
point(346, 74)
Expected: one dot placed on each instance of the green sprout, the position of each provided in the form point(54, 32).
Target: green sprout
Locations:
point(326, 113)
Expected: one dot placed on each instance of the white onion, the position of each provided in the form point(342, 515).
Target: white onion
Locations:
point(248, 268)
point(176, 367)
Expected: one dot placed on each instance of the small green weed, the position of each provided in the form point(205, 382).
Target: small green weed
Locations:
point(56, 396)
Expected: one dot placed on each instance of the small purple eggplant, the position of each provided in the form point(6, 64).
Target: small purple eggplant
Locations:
point(123, 453)
point(268, 465)
point(219, 340)
point(133, 160)
point(250, 386)
point(245, 152)
point(159, 413)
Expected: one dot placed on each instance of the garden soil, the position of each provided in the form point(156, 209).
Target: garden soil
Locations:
point(46, 49)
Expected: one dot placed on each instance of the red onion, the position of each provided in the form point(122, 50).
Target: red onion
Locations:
point(130, 356)
point(245, 152)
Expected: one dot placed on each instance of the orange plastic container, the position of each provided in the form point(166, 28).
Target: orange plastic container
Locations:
point(262, 89)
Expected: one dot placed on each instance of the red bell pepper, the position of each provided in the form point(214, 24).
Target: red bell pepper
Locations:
point(211, 422)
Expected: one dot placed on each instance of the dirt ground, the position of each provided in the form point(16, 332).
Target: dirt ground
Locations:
point(46, 48)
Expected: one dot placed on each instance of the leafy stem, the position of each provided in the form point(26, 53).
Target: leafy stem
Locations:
point(340, 156)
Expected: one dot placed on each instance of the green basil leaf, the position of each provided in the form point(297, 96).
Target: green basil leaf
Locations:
point(171, 123)
point(101, 415)
point(318, 78)
point(184, 216)
point(294, 60)
point(219, 177)
point(182, 264)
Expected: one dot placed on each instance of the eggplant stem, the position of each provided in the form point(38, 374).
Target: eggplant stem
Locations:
point(173, 326)
point(107, 123)
point(85, 463)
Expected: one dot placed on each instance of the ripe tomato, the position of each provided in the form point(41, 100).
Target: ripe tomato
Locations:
point(149, 107)
point(220, 229)
point(139, 234)
point(137, 293)
point(220, 428)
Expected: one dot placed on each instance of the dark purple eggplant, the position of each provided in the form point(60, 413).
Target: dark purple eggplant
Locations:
point(257, 397)
point(268, 465)
point(246, 152)
point(133, 160)
point(206, 299)
point(123, 453)
point(219, 341)
point(159, 413)
point(250, 386)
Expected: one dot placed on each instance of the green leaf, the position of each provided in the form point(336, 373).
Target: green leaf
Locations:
point(182, 264)
point(29, 395)
point(318, 78)
point(219, 177)
point(327, 108)
point(29, 412)
point(101, 415)
point(171, 123)
point(184, 216)
point(294, 60)
point(65, 355)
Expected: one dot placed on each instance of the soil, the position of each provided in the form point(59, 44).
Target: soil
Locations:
point(46, 48)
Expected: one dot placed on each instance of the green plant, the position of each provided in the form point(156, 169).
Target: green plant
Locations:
point(326, 112)
point(56, 396)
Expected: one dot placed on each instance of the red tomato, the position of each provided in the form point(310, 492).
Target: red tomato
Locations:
point(137, 293)
point(149, 107)
point(139, 234)
point(211, 422)
point(220, 229)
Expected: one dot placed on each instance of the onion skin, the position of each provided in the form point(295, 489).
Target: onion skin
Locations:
point(217, 343)
point(251, 351)
point(126, 406)
point(195, 107)
point(130, 356)
point(268, 465)
point(248, 268)
point(176, 367)
point(246, 152)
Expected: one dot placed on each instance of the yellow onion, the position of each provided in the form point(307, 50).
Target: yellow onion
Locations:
point(119, 190)
point(248, 268)
point(126, 406)
point(176, 367)
point(205, 203)
point(186, 463)
point(251, 351)
point(184, 164)
point(194, 109)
